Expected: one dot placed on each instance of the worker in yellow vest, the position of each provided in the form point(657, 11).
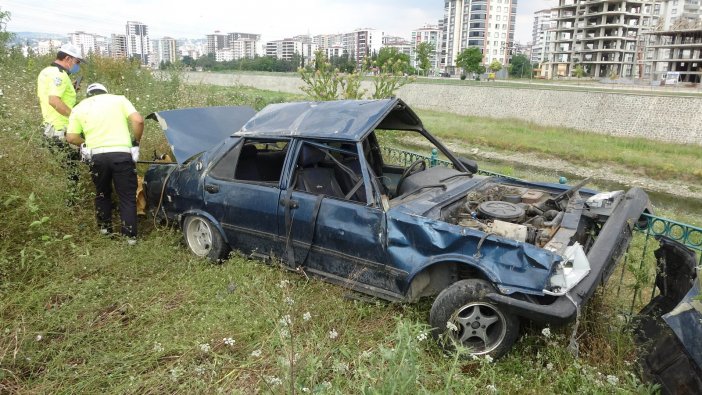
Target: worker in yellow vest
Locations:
point(101, 122)
point(57, 96)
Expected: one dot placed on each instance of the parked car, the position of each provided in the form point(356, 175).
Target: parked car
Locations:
point(317, 186)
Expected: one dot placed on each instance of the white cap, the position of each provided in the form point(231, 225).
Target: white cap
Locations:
point(71, 50)
point(94, 87)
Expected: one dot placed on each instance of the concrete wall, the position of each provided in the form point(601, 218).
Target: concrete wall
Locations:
point(664, 118)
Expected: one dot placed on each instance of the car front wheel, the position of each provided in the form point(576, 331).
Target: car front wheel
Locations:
point(203, 239)
point(469, 319)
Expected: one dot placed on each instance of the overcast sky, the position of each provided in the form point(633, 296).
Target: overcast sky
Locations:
point(273, 19)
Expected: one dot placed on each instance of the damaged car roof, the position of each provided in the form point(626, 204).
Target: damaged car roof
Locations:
point(193, 130)
point(347, 119)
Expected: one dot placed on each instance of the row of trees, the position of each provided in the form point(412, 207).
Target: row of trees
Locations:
point(471, 59)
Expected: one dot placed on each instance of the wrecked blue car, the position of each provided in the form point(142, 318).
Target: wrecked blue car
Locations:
point(320, 188)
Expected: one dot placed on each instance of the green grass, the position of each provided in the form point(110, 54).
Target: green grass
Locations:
point(80, 313)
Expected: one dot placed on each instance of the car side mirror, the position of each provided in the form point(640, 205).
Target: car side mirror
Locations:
point(469, 164)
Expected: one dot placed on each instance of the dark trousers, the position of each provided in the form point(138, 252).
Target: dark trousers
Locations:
point(115, 168)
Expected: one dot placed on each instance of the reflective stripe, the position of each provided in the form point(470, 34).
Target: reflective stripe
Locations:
point(105, 150)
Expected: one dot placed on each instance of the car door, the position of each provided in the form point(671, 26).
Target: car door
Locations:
point(329, 233)
point(242, 193)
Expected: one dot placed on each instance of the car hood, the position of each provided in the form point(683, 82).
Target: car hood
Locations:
point(190, 131)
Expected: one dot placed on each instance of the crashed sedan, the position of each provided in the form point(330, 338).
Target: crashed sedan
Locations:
point(321, 188)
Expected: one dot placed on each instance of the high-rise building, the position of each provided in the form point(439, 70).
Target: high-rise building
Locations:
point(429, 34)
point(215, 42)
point(486, 24)
point(138, 44)
point(167, 52)
point(244, 45)
point(544, 21)
point(672, 14)
point(361, 44)
point(286, 50)
point(118, 46)
point(89, 43)
point(602, 37)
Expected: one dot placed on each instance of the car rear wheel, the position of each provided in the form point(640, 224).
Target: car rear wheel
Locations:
point(203, 239)
point(464, 315)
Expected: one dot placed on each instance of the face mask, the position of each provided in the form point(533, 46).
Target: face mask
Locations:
point(74, 69)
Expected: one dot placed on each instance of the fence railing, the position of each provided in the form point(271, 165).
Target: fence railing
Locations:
point(641, 274)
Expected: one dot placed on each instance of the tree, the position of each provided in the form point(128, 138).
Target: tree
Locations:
point(470, 60)
point(520, 67)
point(579, 71)
point(389, 57)
point(424, 50)
point(495, 66)
point(5, 36)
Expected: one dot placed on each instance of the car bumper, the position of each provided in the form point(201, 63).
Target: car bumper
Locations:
point(610, 245)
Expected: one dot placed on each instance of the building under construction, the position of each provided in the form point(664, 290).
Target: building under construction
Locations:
point(601, 36)
point(674, 54)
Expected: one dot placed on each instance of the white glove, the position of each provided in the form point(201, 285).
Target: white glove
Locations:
point(85, 154)
point(135, 153)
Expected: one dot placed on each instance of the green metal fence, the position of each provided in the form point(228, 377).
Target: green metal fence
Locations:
point(638, 269)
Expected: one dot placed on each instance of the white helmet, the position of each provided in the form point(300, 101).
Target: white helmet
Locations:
point(71, 50)
point(95, 88)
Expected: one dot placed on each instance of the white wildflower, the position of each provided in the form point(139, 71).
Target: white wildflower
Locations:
point(199, 370)
point(305, 390)
point(229, 341)
point(491, 388)
point(256, 353)
point(307, 316)
point(283, 283)
point(421, 337)
point(285, 320)
point(326, 385)
point(284, 333)
point(175, 373)
point(451, 326)
point(272, 381)
point(488, 358)
point(333, 334)
point(38, 338)
point(612, 379)
point(546, 332)
point(549, 366)
point(205, 347)
point(289, 301)
point(340, 367)
point(158, 347)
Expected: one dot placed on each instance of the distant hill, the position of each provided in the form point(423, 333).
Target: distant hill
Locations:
point(32, 37)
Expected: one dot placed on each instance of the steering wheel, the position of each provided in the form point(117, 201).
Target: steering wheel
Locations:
point(415, 167)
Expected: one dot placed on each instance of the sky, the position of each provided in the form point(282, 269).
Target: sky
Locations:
point(273, 19)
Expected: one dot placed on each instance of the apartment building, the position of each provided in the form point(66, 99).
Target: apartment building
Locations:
point(676, 13)
point(118, 46)
point(89, 43)
point(286, 49)
point(215, 42)
point(362, 43)
point(167, 50)
point(485, 24)
point(603, 36)
point(138, 44)
point(432, 35)
point(541, 34)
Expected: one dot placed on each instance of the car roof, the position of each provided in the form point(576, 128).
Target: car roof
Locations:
point(349, 120)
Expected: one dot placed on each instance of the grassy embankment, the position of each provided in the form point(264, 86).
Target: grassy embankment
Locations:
point(82, 313)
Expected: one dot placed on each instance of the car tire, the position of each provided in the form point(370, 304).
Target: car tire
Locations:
point(203, 239)
point(482, 326)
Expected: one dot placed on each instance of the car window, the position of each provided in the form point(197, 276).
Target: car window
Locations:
point(401, 147)
point(253, 160)
point(332, 169)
